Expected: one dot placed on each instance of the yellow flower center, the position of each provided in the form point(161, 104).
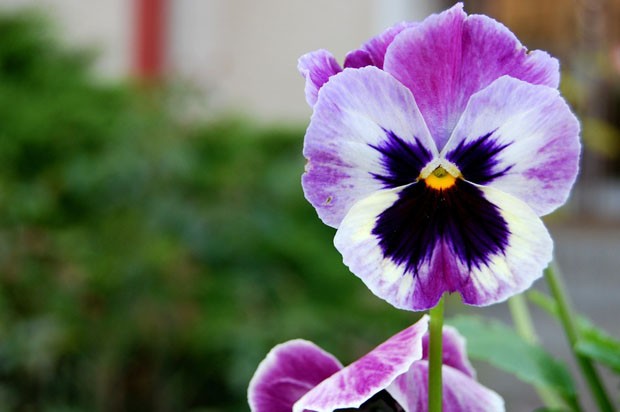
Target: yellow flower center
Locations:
point(440, 179)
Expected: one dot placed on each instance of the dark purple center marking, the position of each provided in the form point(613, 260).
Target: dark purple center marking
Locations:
point(410, 229)
point(380, 402)
point(477, 160)
point(402, 160)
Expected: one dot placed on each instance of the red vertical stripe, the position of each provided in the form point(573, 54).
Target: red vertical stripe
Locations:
point(150, 38)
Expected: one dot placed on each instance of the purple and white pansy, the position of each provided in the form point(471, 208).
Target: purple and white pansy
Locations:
point(299, 376)
point(434, 152)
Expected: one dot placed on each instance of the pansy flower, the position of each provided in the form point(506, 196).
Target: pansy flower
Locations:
point(434, 153)
point(299, 376)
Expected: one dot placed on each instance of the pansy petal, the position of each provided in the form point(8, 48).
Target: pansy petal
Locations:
point(317, 67)
point(491, 50)
point(450, 56)
point(426, 59)
point(358, 382)
point(366, 133)
point(288, 372)
point(357, 59)
point(390, 278)
point(461, 393)
point(373, 51)
point(527, 253)
point(520, 138)
point(410, 245)
point(454, 351)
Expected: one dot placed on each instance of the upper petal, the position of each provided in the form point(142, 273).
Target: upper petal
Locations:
point(520, 138)
point(288, 372)
point(461, 393)
point(373, 51)
point(427, 59)
point(317, 67)
point(366, 133)
point(358, 382)
point(450, 56)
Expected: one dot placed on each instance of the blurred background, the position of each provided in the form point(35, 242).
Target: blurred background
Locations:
point(154, 239)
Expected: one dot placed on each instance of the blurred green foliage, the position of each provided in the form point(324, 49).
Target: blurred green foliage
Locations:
point(148, 264)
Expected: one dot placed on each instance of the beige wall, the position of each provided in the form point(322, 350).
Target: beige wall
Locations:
point(244, 52)
point(258, 45)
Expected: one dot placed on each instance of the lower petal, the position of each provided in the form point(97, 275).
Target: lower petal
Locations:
point(412, 244)
point(461, 393)
point(288, 372)
point(386, 274)
point(358, 382)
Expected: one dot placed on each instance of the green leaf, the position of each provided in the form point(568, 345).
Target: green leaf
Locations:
point(593, 342)
point(602, 349)
point(498, 344)
point(596, 344)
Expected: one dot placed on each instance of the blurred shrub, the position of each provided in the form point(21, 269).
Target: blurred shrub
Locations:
point(148, 265)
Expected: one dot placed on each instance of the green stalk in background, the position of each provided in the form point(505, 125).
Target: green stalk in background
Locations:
point(567, 319)
point(524, 327)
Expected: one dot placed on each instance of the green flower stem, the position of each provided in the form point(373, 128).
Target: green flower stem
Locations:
point(435, 358)
point(590, 374)
point(524, 327)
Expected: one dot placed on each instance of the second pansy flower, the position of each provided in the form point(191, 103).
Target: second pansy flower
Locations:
point(298, 376)
point(434, 152)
